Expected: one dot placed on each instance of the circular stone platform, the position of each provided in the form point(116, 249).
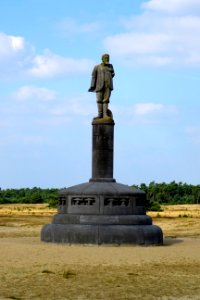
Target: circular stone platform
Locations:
point(102, 213)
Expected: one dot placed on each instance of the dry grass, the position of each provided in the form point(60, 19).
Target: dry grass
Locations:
point(31, 269)
point(27, 219)
point(18, 220)
point(184, 210)
point(178, 220)
point(26, 209)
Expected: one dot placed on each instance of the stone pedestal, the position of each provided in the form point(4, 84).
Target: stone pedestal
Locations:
point(102, 151)
point(102, 211)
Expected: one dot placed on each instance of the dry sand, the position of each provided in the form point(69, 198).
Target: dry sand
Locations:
point(30, 269)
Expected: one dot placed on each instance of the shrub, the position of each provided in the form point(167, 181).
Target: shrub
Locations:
point(154, 206)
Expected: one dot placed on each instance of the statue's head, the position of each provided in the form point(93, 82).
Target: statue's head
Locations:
point(105, 58)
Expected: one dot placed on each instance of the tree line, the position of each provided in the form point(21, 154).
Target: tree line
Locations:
point(157, 194)
point(170, 193)
point(29, 196)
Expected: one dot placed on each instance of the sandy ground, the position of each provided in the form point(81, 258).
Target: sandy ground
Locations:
point(31, 269)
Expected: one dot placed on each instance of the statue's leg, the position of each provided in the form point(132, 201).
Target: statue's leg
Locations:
point(100, 109)
point(105, 110)
point(106, 101)
point(99, 104)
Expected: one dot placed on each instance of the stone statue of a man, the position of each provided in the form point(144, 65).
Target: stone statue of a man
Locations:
point(102, 84)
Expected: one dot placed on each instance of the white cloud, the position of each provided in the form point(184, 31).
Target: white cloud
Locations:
point(50, 65)
point(149, 23)
point(138, 43)
point(148, 108)
point(77, 106)
point(152, 109)
point(143, 49)
point(173, 6)
point(19, 60)
point(10, 45)
point(35, 105)
point(158, 39)
point(15, 56)
point(34, 93)
point(146, 113)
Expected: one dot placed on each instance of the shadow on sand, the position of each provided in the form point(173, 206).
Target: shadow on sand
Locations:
point(170, 241)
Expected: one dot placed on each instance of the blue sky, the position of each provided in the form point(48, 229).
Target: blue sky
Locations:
point(47, 52)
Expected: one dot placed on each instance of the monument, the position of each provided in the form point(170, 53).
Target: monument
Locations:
point(102, 211)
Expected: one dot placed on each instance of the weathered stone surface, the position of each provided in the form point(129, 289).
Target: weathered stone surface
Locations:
point(102, 234)
point(102, 219)
point(102, 150)
point(101, 198)
point(94, 188)
point(102, 213)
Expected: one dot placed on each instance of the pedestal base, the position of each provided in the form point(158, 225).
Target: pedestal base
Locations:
point(102, 213)
point(102, 234)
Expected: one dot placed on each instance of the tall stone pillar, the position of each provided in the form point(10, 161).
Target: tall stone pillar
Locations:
point(102, 151)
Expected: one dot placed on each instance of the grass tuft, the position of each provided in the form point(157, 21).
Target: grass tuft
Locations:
point(68, 274)
point(47, 272)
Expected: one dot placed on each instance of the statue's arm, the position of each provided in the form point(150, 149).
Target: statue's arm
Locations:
point(112, 71)
point(93, 81)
